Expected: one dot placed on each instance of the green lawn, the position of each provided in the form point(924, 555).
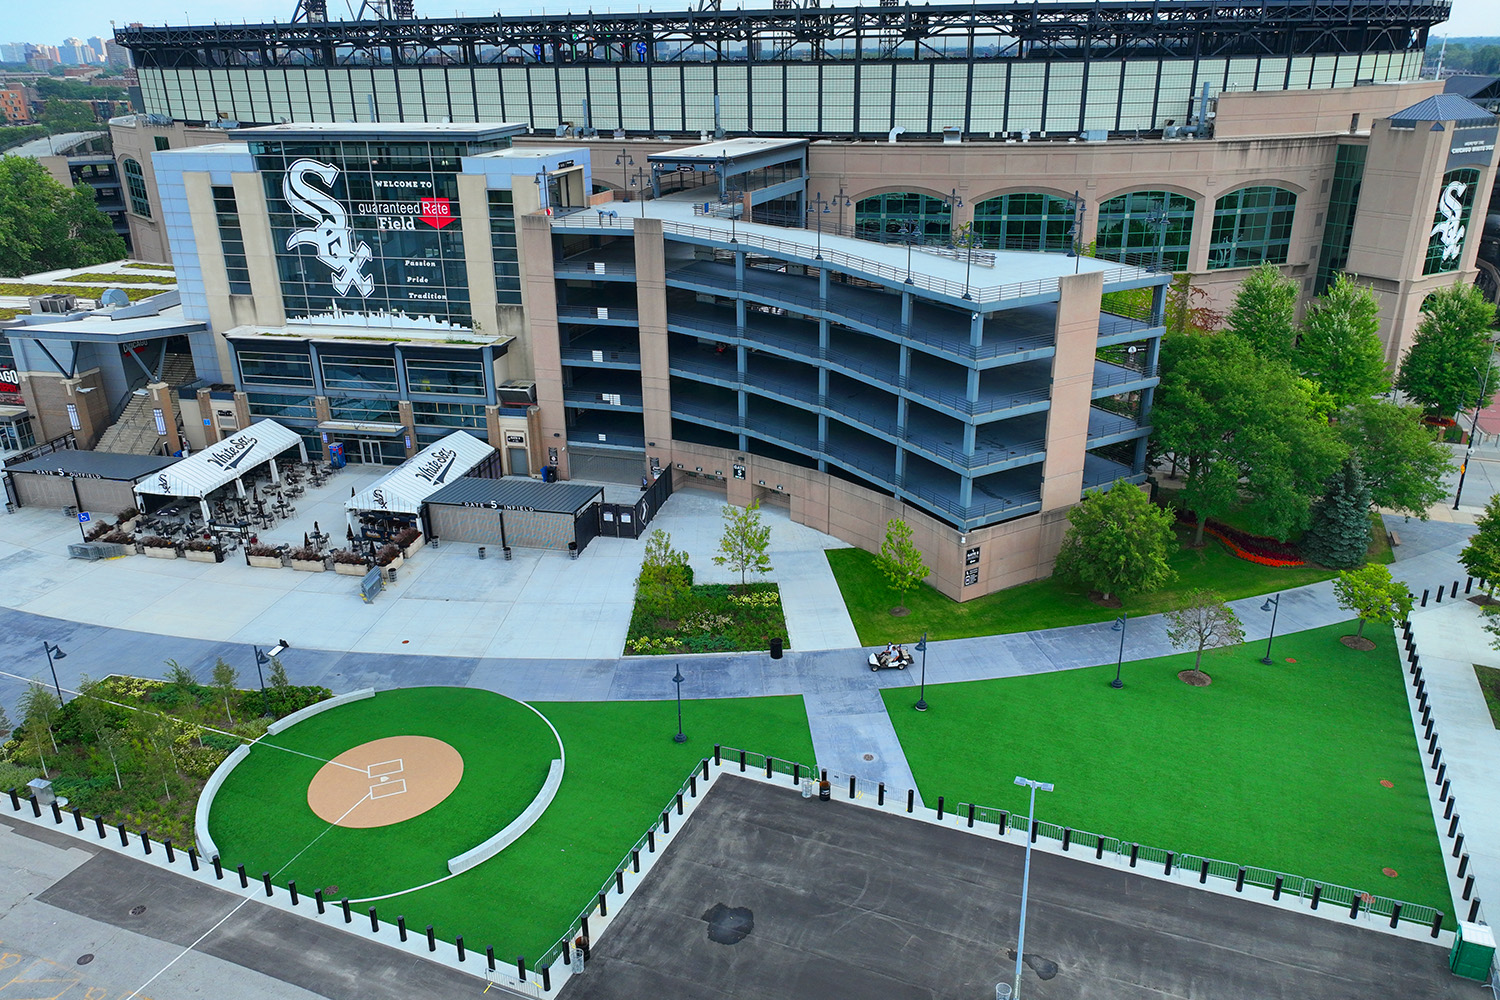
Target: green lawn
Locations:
point(622, 768)
point(1278, 767)
point(1489, 683)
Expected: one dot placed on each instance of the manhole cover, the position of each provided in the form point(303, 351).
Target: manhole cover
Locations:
point(1387, 783)
point(136, 911)
point(869, 756)
point(85, 959)
point(331, 890)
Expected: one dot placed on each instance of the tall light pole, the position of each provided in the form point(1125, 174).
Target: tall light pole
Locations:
point(921, 705)
point(1119, 626)
point(1273, 605)
point(1080, 209)
point(677, 679)
point(264, 658)
point(1026, 873)
point(818, 206)
point(625, 161)
point(54, 652)
point(1484, 384)
point(731, 196)
point(639, 180)
point(908, 231)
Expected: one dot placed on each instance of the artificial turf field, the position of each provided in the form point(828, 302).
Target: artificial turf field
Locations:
point(622, 768)
point(261, 816)
point(1276, 766)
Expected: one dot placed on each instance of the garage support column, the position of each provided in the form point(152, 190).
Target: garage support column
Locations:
point(206, 410)
point(84, 432)
point(409, 428)
point(161, 399)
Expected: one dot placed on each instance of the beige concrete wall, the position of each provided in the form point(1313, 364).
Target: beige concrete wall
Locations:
point(148, 237)
point(534, 238)
point(1072, 385)
point(651, 303)
point(1303, 112)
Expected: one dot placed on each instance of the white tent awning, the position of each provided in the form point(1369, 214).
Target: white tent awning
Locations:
point(429, 470)
point(200, 474)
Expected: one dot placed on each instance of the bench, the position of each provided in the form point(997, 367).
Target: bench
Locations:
point(1395, 538)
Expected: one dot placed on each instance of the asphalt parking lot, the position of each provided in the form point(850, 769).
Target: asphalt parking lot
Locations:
point(767, 895)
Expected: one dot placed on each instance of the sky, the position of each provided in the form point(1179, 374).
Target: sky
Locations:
point(39, 22)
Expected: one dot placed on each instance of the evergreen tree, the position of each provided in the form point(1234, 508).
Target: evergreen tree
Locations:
point(1340, 349)
point(1263, 312)
point(1340, 533)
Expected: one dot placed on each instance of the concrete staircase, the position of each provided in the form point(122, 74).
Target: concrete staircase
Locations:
point(135, 432)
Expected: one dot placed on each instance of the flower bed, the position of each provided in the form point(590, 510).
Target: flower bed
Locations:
point(1251, 548)
point(704, 619)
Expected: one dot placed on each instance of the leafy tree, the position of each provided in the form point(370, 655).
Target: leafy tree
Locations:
point(152, 735)
point(1372, 595)
point(1450, 354)
point(179, 676)
point(1340, 533)
point(1403, 463)
point(900, 560)
point(1481, 557)
point(1263, 312)
point(226, 684)
point(39, 708)
point(742, 548)
point(1205, 622)
point(1339, 349)
point(662, 563)
point(4, 722)
point(68, 116)
point(1189, 308)
point(100, 720)
point(279, 679)
point(1248, 433)
point(45, 226)
point(1118, 542)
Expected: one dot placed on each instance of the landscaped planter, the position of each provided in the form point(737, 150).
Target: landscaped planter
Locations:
point(156, 553)
point(308, 565)
point(395, 563)
point(264, 562)
point(128, 526)
point(350, 569)
point(413, 548)
point(197, 555)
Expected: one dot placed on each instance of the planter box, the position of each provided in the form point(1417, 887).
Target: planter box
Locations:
point(194, 555)
point(350, 569)
point(395, 563)
point(129, 526)
point(264, 562)
point(414, 547)
point(308, 565)
point(160, 553)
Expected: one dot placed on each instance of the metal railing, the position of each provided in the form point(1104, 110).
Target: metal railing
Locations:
point(590, 314)
point(589, 398)
point(578, 355)
point(1115, 374)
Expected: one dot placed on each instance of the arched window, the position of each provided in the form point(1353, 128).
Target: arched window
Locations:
point(881, 216)
point(135, 184)
point(1450, 226)
point(1252, 226)
point(1146, 225)
point(1027, 221)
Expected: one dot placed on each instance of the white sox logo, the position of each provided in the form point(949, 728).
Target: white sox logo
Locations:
point(330, 234)
point(379, 496)
point(161, 481)
point(1450, 231)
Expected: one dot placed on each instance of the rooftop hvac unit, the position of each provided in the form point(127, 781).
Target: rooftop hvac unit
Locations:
point(516, 392)
point(55, 303)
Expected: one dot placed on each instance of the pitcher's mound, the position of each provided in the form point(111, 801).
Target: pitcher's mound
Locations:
point(385, 781)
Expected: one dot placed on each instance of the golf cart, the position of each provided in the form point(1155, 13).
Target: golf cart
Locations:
point(893, 657)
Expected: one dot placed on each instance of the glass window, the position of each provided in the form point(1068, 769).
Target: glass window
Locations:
point(882, 216)
point(348, 371)
point(162, 142)
point(1029, 221)
point(452, 378)
point(135, 183)
point(1343, 202)
point(280, 407)
point(1146, 226)
point(466, 415)
point(503, 247)
point(232, 239)
point(275, 368)
point(365, 411)
point(1252, 226)
point(1450, 226)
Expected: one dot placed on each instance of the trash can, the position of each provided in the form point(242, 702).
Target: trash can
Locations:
point(507, 553)
point(481, 551)
point(825, 790)
point(776, 647)
point(1473, 952)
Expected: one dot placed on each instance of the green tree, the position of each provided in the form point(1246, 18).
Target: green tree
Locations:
point(152, 737)
point(45, 226)
point(746, 539)
point(1404, 464)
point(179, 676)
point(226, 685)
point(279, 679)
point(1264, 311)
point(39, 709)
point(662, 563)
point(1118, 542)
point(4, 722)
point(102, 721)
point(1248, 433)
point(1481, 557)
point(60, 116)
point(1450, 356)
point(1205, 622)
point(1339, 536)
point(1339, 349)
point(1189, 309)
point(1372, 595)
point(900, 560)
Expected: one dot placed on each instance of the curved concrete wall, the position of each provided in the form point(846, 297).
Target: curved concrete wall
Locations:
point(206, 847)
point(311, 710)
point(514, 828)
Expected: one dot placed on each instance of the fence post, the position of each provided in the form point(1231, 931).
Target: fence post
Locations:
point(1098, 847)
point(1067, 835)
point(742, 766)
point(1036, 827)
point(1168, 869)
point(1354, 907)
point(796, 773)
point(1135, 850)
point(769, 761)
point(1004, 822)
point(971, 815)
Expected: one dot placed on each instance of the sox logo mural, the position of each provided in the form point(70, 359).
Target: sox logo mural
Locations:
point(330, 236)
point(1449, 231)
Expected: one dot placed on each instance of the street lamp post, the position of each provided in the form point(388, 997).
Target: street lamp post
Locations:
point(1119, 626)
point(921, 705)
point(638, 180)
point(1463, 470)
point(677, 679)
point(908, 232)
point(54, 652)
point(1075, 234)
point(1273, 605)
point(625, 161)
point(264, 658)
point(818, 206)
point(731, 196)
point(1026, 874)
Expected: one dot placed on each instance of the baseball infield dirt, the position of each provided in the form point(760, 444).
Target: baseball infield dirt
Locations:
point(385, 781)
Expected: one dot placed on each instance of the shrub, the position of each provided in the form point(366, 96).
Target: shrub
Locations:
point(127, 514)
point(1252, 548)
point(198, 545)
point(386, 555)
point(309, 553)
point(98, 531)
point(118, 537)
point(406, 536)
point(279, 702)
point(262, 550)
point(158, 542)
point(348, 557)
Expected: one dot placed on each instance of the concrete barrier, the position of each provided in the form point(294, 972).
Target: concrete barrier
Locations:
point(206, 847)
point(514, 828)
point(304, 714)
